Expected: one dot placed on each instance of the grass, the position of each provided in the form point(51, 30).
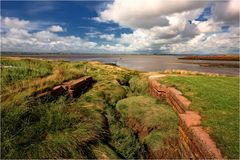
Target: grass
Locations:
point(21, 89)
point(90, 126)
point(16, 70)
point(138, 85)
point(217, 100)
point(157, 117)
point(52, 130)
point(122, 138)
point(63, 128)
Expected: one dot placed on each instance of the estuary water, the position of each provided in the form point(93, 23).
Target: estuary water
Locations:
point(146, 62)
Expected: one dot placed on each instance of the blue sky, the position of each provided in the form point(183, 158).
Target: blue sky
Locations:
point(116, 26)
point(75, 17)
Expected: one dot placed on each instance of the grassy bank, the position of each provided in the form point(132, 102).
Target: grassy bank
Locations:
point(154, 122)
point(65, 127)
point(217, 100)
point(86, 127)
point(101, 123)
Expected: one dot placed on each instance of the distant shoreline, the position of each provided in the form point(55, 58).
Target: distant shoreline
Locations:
point(113, 54)
point(213, 57)
point(147, 63)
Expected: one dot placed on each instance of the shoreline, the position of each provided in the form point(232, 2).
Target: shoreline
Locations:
point(213, 57)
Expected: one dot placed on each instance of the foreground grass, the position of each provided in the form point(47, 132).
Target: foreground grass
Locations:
point(65, 127)
point(217, 100)
point(50, 130)
point(158, 118)
point(90, 126)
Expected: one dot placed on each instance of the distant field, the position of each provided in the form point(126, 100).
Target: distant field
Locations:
point(217, 100)
point(213, 57)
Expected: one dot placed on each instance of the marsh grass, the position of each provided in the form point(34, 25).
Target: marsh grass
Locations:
point(123, 139)
point(158, 117)
point(16, 70)
point(217, 100)
point(51, 130)
point(62, 128)
point(138, 85)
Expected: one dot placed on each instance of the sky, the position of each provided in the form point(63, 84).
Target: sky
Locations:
point(121, 26)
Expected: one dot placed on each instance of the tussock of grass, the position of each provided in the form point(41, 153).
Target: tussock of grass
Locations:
point(217, 100)
point(138, 85)
point(103, 151)
point(52, 130)
point(122, 138)
point(158, 117)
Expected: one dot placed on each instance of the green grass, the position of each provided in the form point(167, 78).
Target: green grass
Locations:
point(16, 70)
point(103, 151)
point(217, 100)
point(90, 126)
point(138, 85)
point(52, 130)
point(157, 117)
point(122, 138)
point(64, 128)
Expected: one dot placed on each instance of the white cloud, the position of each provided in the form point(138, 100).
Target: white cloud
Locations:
point(209, 26)
point(108, 37)
point(157, 26)
point(208, 44)
point(164, 25)
point(145, 13)
point(19, 37)
point(55, 28)
point(7, 22)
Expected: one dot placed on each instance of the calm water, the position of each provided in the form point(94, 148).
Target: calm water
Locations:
point(148, 62)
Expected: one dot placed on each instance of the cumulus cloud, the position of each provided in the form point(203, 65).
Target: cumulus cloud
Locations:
point(170, 26)
point(55, 28)
point(145, 13)
point(12, 22)
point(157, 26)
point(18, 36)
point(216, 43)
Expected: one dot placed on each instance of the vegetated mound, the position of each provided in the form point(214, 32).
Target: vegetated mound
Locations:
point(154, 122)
point(213, 57)
point(50, 130)
point(64, 127)
point(216, 98)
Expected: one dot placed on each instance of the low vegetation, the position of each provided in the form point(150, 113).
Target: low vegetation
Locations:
point(154, 121)
point(65, 127)
point(100, 123)
point(84, 127)
point(13, 71)
point(217, 100)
